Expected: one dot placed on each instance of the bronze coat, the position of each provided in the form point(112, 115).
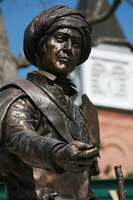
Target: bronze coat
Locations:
point(29, 139)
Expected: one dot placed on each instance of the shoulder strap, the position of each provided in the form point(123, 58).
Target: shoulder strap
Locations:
point(46, 106)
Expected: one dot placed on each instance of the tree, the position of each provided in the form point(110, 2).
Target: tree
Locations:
point(8, 62)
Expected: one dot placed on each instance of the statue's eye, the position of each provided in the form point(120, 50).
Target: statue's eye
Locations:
point(76, 43)
point(60, 38)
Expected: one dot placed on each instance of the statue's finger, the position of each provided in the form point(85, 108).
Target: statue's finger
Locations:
point(85, 154)
point(83, 146)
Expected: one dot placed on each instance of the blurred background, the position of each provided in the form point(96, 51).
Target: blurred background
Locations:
point(106, 77)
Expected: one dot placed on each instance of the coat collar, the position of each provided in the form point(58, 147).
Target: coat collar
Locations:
point(44, 78)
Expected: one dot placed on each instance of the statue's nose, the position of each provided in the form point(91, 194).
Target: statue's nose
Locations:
point(68, 44)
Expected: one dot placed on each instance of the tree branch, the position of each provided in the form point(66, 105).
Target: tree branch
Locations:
point(102, 17)
point(129, 2)
point(98, 8)
point(22, 62)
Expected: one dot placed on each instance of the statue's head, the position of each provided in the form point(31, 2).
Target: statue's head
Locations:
point(58, 40)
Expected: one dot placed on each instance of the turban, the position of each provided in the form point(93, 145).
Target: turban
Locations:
point(50, 20)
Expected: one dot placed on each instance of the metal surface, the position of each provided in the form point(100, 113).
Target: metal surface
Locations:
point(43, 128)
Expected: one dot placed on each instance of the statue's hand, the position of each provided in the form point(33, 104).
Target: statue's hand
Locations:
point(76, 156)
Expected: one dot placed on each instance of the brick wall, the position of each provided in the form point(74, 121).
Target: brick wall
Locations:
point(116, 130)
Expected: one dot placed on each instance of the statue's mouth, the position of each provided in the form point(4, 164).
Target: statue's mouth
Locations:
point(64, 59)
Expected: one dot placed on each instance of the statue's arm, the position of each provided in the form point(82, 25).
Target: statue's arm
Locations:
point(22, 139)
point(92, 124)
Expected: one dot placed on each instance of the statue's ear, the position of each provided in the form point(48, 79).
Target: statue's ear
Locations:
point(92, 123)
point(40, 53)
point(37, 59)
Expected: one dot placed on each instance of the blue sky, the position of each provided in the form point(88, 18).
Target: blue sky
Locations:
point(18, 13)
point(124, 16)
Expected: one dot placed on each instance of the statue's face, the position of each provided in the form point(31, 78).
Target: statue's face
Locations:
point(63, 51)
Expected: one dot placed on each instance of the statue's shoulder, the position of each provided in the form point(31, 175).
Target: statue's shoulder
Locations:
point(8, 94)
point(10, 91)
point(87, 104)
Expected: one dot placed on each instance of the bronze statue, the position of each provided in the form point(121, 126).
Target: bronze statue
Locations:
point(41, 127)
